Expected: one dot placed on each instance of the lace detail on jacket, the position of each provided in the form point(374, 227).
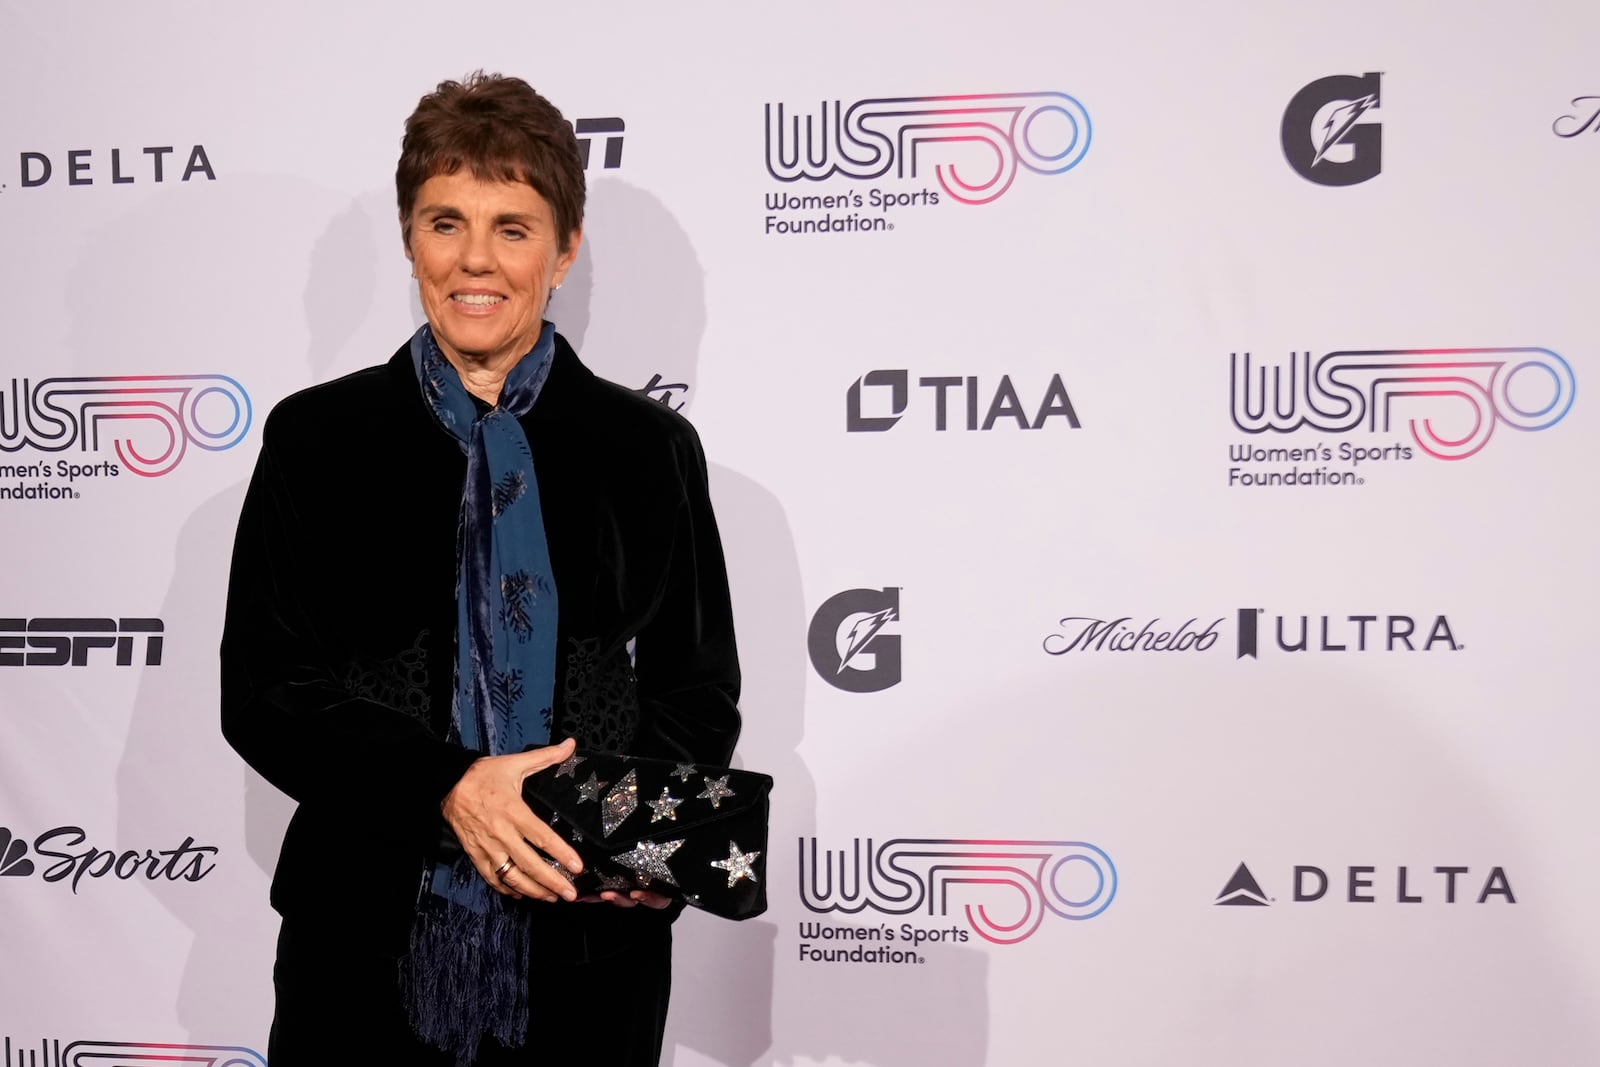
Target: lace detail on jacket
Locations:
point(399, 682)
point(601, 708)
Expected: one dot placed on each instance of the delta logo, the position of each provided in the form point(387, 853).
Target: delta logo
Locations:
point(1409, 884)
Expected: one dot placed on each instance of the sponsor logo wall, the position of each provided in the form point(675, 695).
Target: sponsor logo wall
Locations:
point(1080, 748)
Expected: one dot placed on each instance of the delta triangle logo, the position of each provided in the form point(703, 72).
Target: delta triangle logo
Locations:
point(1243, 890)
point(13, 856)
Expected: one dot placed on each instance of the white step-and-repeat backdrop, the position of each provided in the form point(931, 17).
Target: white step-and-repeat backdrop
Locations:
point(1152, 445)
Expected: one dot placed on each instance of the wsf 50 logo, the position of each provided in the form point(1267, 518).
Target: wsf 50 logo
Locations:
point(147, 421)
point(51, 1053)
point(918, 876)
point(1449, 401)
point(975, 145)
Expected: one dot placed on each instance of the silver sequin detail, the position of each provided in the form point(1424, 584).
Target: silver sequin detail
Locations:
point(649, 858)
point(737, 864)
point(590, 790)
point(665, 808)
point(716, 790)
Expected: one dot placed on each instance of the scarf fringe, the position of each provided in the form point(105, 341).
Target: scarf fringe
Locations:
point(467, 973)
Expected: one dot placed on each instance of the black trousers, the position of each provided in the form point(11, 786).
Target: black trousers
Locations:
point(338, 1002)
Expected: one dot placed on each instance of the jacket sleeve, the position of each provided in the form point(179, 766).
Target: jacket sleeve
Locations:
point(283, 709)
point(686, 661)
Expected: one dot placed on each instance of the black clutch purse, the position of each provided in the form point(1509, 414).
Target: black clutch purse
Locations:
point(690, 831)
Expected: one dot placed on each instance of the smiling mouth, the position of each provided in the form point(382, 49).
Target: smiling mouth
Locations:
point(478, 300)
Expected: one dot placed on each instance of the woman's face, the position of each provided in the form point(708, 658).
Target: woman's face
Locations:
point(486, 257)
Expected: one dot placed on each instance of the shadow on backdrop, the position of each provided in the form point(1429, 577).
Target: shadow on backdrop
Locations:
point(635, 307)
point(177, 775)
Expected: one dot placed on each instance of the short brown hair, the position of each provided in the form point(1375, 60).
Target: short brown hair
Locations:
point(500, 129)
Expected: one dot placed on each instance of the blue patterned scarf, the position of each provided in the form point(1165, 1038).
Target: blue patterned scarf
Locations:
point(467, 975)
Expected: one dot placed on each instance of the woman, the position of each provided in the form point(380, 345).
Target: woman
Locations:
point(443, 564)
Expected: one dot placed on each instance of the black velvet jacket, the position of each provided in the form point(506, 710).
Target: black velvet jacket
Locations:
point(339, 646)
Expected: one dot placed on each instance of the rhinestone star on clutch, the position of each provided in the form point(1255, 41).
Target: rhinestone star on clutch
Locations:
point(649, 858)
point(716, 790)
point(737, 864)
point(665, 808)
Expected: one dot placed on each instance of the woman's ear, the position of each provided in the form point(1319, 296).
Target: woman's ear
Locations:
point(566, 259)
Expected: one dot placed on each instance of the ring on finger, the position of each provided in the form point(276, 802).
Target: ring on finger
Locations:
point(505, 868)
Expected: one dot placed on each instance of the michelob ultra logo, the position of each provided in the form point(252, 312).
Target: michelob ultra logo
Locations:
point(989, 136)
point(909, 876)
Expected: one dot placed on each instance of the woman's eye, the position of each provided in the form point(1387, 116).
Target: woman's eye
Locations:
point(444, 226)
point(515, 235)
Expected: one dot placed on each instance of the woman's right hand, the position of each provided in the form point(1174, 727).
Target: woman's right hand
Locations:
point(494, 824)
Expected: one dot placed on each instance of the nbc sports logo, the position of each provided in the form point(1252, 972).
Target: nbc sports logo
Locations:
point(14, 859)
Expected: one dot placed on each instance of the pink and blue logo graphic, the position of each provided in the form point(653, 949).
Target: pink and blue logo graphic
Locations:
point(988, 136)
point(149, 422)
point(51, 1053)
point(919, 876)
point(1450, 399)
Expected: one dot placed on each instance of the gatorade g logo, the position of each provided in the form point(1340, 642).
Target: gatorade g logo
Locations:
point(848, 646)
point(1324, 138)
